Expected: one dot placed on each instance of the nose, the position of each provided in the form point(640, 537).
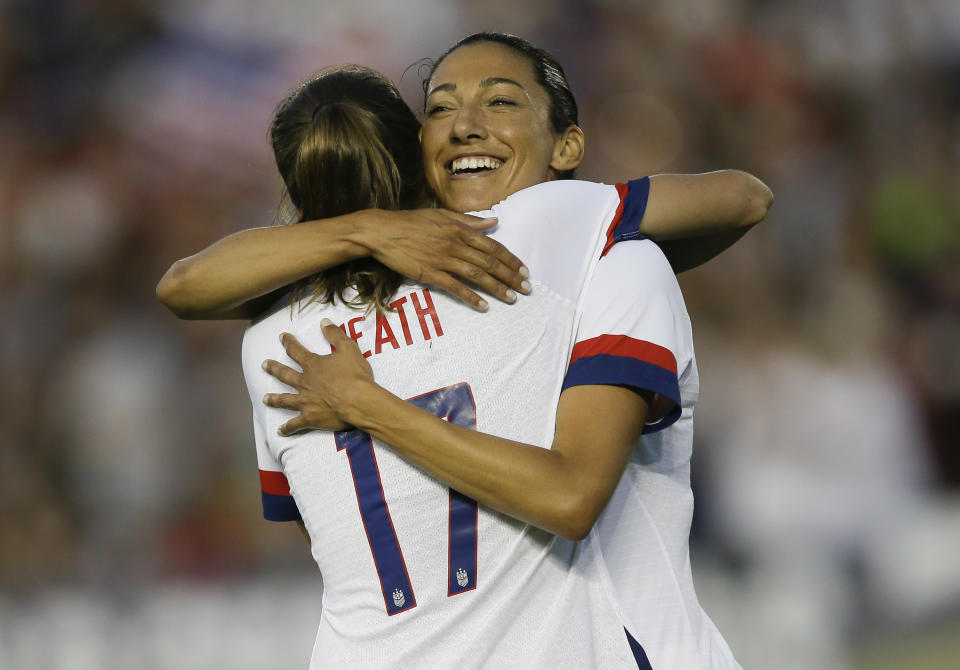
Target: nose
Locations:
point(467, 125)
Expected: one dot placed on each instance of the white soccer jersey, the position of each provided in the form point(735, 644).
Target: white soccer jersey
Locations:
point(415, 574)
point(635, 331)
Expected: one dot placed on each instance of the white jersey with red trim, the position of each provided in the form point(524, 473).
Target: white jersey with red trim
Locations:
point(415, 574)
point(635, 331)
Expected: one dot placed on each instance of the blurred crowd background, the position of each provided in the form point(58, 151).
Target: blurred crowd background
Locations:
point(826, 465)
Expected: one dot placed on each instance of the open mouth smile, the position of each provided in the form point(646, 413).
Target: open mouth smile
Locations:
point(468, 165)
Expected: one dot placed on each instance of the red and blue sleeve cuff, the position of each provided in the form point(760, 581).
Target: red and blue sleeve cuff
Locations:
point(633, 205)
point(620, 360)
point(278, 504)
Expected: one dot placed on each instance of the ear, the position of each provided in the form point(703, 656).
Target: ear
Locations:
point(420, 134)
point(568, 150)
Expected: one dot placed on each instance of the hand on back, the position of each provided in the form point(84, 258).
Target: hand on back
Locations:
point(446, 250)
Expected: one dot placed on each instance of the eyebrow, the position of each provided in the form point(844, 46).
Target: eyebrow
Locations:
point(485, 83)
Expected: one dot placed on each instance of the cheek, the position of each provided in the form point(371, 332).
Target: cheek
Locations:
point(533, 137)
point(429, 135)
point(536, 152)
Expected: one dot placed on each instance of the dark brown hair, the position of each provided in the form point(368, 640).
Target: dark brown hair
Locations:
point(345, 140)
point(546, 69)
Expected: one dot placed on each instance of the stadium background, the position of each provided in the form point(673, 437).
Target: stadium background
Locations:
point(826, 467)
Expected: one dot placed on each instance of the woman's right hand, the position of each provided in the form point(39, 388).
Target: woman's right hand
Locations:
point(444, 249)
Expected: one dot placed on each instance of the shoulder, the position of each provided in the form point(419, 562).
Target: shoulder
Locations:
point(555, 219)
point(550, 193)
point(563, 190)
point(641, 261)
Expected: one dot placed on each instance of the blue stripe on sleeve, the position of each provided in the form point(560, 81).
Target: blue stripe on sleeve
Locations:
point(279, 508)
point(611, 370)
point(634, 207)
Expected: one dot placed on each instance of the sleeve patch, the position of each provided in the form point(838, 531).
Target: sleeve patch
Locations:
point(280, 508)
point(626, 222)
point(274, 482)
point(278, 504)
point(619, 360)
point(624, 345)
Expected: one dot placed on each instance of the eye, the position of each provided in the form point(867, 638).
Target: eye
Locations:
point(499, 101)
point(436, 109)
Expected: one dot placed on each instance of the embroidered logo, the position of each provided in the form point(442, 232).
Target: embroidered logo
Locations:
point(398, 598)
point(462, 578)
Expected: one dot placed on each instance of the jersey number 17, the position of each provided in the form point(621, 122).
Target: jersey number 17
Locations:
point(456, 404)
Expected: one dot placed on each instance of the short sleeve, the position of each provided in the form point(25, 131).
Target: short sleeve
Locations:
point(633, 329)
point(633, 205)
point(278, 504)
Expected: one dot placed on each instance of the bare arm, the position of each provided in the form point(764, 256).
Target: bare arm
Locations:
point(563, 489)
point(432, 246)
point(695, 217)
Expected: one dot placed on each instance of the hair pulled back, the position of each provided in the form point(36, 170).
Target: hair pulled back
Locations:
point(345, 140)
point(546, 69)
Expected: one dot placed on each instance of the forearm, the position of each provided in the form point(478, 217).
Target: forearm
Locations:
point(696, 217)
point(254, 262)
point(527, 482)
point(682, 206)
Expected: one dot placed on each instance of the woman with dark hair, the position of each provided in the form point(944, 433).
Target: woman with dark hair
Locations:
point(345, 141)
point(547, 600)
point(692, 217)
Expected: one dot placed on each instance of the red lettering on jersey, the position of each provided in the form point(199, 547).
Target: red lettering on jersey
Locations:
point(398, 305)
point(354, 335)
point(384, 334)
point(422, 312)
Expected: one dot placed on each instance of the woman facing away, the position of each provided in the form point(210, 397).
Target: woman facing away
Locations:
point(486, 103)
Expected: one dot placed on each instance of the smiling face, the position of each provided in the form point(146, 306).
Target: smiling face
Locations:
point(487, 131)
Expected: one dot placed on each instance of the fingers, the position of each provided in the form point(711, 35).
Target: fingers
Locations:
point(514, 267)
point(482, 278)
point(282, 400)
point(514, 279)
point(294, 349)
point(288, 376)
point(476, 222)
point(457, 289)
point(292, 426)
point(336, 337)
point(490, 246)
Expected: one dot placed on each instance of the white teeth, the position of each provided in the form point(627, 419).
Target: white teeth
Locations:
point(474, 163)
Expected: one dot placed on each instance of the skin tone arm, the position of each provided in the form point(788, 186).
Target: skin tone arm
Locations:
point(562, 489)
point(695, 217)
point(430, 245)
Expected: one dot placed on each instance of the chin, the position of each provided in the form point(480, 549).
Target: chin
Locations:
point(471, 203)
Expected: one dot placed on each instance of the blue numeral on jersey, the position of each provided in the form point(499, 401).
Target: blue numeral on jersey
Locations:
point(387, 556)
point(456, 404)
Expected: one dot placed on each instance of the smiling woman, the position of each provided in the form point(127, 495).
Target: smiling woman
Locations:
point(484, 455)
point(524, 132)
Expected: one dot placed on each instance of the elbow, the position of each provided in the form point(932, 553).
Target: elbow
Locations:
point(576, 516)
point(575, 531)
point(758, 199)
point(172, 291)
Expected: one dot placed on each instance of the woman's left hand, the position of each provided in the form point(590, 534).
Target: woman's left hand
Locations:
point(322, 396)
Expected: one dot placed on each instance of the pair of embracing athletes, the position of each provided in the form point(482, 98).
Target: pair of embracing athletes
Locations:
point(502, 486)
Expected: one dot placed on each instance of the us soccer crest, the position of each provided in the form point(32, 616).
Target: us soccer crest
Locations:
point(462, 578)
point(398, 598)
